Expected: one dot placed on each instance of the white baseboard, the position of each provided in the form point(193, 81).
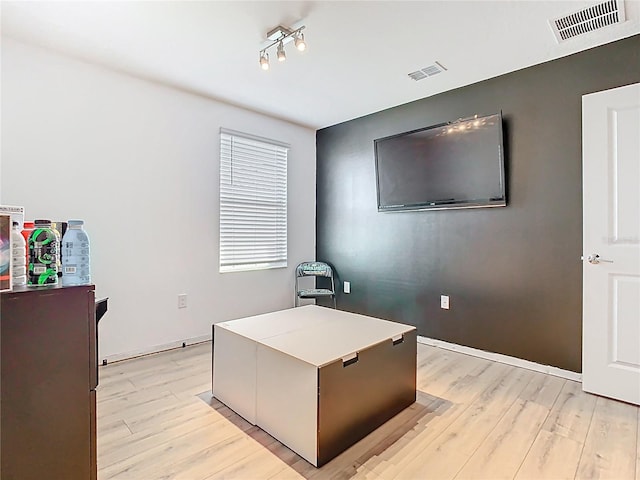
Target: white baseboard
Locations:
point(498, 357)
point(154, 349)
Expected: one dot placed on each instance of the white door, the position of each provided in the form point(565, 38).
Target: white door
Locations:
point(611, 243)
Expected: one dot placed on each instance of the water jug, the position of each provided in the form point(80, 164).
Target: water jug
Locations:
point(76, 261)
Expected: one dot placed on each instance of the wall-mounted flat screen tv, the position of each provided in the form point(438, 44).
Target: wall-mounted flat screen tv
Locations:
point(453, 165)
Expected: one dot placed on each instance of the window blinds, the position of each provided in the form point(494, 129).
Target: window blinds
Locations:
point(253, 202)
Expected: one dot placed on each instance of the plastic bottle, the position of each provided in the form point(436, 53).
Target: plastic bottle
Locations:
point(43, 255)
point(18, 259)
point(57, 230)
point(76, 259)
point(27, 228)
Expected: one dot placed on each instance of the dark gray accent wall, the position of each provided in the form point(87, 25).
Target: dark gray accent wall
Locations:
point(513, 274)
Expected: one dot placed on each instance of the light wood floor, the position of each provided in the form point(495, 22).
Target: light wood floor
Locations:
point(473, 419)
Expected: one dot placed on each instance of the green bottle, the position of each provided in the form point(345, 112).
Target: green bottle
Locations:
point(43, 255)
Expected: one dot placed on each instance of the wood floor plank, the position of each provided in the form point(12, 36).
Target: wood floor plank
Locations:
point(543, 389)
point(363, 473)
point(136, 401)
point(191, 385)
point(135, 366)
point(147, 420)
point(431, 360)
point(438, 380)
point(473, 418)
point(118, 387)
point(502, 453)
point(455, 400)
point(192, 355)
point(262, 463)
point(503, 450)
point(551, 456)
point(140, 410)
point(557, 448)
point(462, 392)
point(159, 460)
point(114, 431)
point(237, 456)
point(449, 451)
point(141, 442)
point(610, 449)
point(571, 414)
point(174, 373)
point(288, 473)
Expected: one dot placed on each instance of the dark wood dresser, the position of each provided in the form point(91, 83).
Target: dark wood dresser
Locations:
point(48, 379)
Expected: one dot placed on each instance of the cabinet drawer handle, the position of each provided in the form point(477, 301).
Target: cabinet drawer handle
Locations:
point(349, 360)
point(398, 340)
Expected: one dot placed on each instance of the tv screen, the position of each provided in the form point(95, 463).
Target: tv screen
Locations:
point(454, 165)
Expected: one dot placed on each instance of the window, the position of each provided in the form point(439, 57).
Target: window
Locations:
point(253, 202)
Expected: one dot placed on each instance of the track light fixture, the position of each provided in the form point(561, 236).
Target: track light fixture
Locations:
point(280, 36)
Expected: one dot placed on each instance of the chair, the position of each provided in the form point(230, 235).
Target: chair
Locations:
point(314, 269)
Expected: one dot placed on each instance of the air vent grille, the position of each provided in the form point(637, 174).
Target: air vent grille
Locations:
point(428, 71)
point(417, 75)
point(588, 19)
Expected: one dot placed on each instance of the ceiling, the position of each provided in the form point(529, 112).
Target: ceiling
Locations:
point(358, 57)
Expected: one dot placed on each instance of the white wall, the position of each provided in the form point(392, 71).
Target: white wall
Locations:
point(139, 162)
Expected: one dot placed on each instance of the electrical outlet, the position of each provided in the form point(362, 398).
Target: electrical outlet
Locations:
point(346, 287)
point(444, 302)
point(182, 300)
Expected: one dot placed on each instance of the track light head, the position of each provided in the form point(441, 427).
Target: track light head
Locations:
point(300, 43)
point(264, 60)
point(282, 56)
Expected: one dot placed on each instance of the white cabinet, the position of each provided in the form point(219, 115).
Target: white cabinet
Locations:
point(317, 379)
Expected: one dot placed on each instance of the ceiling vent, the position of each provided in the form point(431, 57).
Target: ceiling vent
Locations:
point(588, 19)
point(428, 71)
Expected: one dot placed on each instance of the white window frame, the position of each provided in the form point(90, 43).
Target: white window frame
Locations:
point(253, 202)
